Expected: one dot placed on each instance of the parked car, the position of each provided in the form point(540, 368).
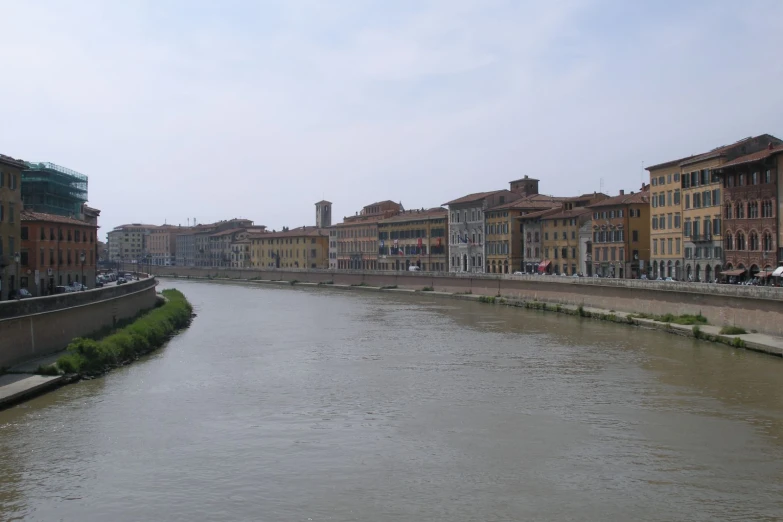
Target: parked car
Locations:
point(78, 287)
point(643, 277)
point(121, 281)
point(99, 284)
point(22, 293)
point(518, 273)
point(669, 280)
point(413, 268)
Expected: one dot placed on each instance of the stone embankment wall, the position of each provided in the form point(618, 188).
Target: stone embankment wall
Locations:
point(753, 308)
point(36, 327)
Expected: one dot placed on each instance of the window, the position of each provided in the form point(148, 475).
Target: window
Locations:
point(11, 213)
point(661, 200)
point(705, 177)
point(716, 197)
point(654, 201)
point(686, 181)
point(687, 229)
point(655, 246)
point(741, 180)
point(716, 226)
point(753, 241)
point(768, 176)
point(729, 212)
point(614, 253)
point(739, 211)
point(729, 242)
point(754, 180)
point(687, 201)
point(678, 245)
point(669, 178)
point(677, 220)
point(767, 242)
point(635, 236)
point(661, 180)
point(25, 233)
point(669, 242)
point(707, 198)
point(669, 221)
point(676, 177)
point(654, 181)
point(669, 198)
point(740, 242)
point(766, 209)
point(753, 210)
point(697, 200)
point(676, 197)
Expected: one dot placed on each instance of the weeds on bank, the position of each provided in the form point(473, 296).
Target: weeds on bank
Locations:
point(359, 284)
point(428, 289)
point(487, 299)
point(389, 287)
point(148, 332)
point(326, 283)
point(685, 319)
point(732, 330)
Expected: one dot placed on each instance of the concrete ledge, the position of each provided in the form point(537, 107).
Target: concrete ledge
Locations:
point(16, 388)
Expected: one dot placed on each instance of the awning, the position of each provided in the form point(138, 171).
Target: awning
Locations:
point(542, 266)
point(735, 272)
point(764, 273)
point(778, 272)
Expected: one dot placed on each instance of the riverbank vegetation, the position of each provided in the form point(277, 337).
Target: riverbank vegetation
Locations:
point(149, 331)
point(685, 319)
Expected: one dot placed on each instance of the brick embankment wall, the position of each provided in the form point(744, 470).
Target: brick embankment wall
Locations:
point(36, 327)
point(753, 308)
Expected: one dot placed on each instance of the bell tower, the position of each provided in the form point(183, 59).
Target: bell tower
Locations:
point(323, 214)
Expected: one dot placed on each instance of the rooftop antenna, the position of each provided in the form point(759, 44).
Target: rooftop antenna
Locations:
point(641, 173)
point(601, 186)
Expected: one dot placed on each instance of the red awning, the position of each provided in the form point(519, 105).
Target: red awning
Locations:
point(735, 272)
point(764, 273)
point(542, 266)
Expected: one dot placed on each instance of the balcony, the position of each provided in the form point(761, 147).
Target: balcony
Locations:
point(701, 238)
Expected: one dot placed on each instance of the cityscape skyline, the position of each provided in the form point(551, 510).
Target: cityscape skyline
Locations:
point(182, 109)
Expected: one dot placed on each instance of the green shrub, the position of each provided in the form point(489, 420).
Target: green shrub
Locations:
point(487, 299)
point(293, 282)
point(732, 330)
point(696, 332)
point(50, 369)
point(149, 331)
point(427, 289)
point(738, 343)
point(580, 310)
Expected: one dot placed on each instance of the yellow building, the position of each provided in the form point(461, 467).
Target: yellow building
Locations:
point(414, 237)
point(561, 234)
point(10, 222)
point(621, 235)
point(303, 247)
point(505, 246)
point(666, 254)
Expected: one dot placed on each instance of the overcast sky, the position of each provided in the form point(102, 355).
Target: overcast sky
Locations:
point(218, 109)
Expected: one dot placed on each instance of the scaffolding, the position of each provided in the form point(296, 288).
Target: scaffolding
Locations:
point(53, 189)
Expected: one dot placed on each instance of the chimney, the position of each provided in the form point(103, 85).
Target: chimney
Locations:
point(770, 146)
point(622, 192)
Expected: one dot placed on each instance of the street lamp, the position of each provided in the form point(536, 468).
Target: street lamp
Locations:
point(16, 274)
point(81, 258)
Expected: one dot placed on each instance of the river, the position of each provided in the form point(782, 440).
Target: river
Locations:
point(299, 404)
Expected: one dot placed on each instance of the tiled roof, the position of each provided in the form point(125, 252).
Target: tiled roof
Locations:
point(476, 196)
point(539, 213)
point(8, 160)
point(324, 201)
point(756, 156)
point(672, 163)
point(228, 232)
point(585, 196)
point(526, 178)
point(415, 215)
point(380, 203)
point(623, 199)
point(29, 215)
point(294, 232)
point(567, 214)
point(714, 153)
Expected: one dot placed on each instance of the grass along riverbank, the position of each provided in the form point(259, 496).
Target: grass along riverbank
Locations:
point(148, 332)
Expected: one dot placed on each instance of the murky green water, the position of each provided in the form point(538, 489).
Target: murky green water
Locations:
point(288, 404)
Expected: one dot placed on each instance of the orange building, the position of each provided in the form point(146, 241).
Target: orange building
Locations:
point(357, 236)
point(56, 251)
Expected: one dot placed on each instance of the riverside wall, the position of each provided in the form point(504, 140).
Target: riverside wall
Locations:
point(39, 326)
point(752, 308)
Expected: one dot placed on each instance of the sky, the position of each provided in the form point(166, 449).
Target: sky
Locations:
point(193, 109)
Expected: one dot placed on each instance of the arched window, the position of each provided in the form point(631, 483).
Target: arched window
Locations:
point(767, 242)
point(739, 211)
point(528, 237)
point(729, 241)
point(536, 236)
point(766, 209)
point(729, 213)
point(753, 210)
point(753, 241)
point(740, 241)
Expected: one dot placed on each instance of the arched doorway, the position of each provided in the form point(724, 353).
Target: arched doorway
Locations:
point(464, 262)
point(698, 273)
point(505, 267)
point(754, 269)
point(668, 269)
point(708, 273)
point(655, 269)
point(677, 271)
point(688, 272)
point(716, 274)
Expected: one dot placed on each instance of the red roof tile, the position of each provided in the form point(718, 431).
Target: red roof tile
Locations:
point(756, 156)
point(415, 215)
point(29, 215)
point(567, 214)
point(623, 199)
point(8, 160)
point(309, 231)
point(476, 196)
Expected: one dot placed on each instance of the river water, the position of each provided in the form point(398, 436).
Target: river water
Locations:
point(297, 404)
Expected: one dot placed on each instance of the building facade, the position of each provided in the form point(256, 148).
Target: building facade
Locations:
point(561, 234)
point(56, 251)
point(533, 247)
point(323, 214)
point(128, 243)
point(751, 190)
point(666, 235)
point(162, 245)
point(10, 222)
point(621, 235)
point(414, 238)
point(304, 247)
point(467, 224)
point(357, 236)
